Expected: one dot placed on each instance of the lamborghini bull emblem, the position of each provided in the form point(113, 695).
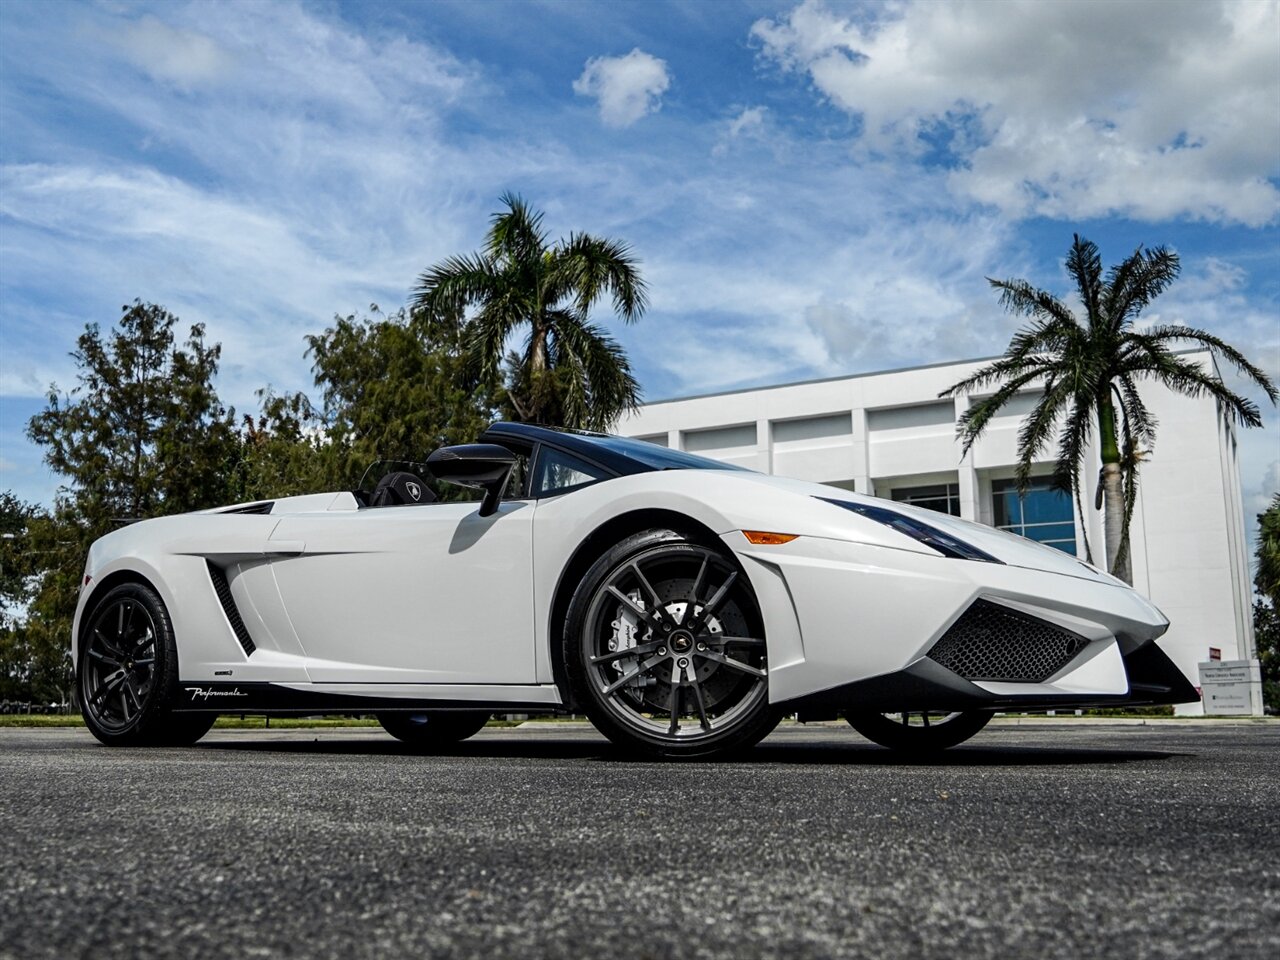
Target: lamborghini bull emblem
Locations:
point(415, 491)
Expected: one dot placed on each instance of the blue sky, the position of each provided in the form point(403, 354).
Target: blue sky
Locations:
point(814, 189)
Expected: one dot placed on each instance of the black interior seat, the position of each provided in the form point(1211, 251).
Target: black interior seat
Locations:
point(400, 488)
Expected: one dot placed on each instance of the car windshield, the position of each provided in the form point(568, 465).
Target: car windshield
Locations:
point(660, 458)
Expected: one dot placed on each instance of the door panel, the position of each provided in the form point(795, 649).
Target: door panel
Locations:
point(417, 594)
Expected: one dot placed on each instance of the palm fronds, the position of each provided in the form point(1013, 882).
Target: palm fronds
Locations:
point(1089, 372)
point(570, 372)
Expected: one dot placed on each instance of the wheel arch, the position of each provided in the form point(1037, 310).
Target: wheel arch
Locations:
point(592, 547)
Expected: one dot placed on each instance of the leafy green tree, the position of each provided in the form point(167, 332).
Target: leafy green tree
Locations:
point(1090, 368)
point(1267, 579)
point(17, 562)
point(19, 571)
point(569, 371)
point(39, 569)
point(392, 389)
point(1266, 609)
point(141, 434)
point(282, 450)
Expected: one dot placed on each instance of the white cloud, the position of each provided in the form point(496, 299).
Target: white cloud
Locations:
point(316, 177)
point(1068, 110)
point(183, 57)
point(1259, 498)
point(749, 123)
point(625, 88)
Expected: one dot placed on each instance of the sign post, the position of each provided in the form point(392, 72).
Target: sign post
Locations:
point(1231, 688)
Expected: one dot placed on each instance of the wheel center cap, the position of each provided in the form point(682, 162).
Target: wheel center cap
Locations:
point(681, 641)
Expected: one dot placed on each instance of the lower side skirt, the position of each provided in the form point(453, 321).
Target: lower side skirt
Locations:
point(257, 697)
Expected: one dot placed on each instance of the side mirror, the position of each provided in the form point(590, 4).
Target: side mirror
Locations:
point(485, 466)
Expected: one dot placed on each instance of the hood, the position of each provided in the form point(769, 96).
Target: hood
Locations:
point(1006, 547)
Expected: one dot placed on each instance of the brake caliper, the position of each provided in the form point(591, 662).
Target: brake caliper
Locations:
point(626, 634)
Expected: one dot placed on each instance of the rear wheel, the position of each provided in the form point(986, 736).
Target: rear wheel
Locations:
point(128, 673)
point(665, 649)
point(433, 729)
point(919, 731)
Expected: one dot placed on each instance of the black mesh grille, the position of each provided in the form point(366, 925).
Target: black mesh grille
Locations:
point(223, 590)
point(993, 642)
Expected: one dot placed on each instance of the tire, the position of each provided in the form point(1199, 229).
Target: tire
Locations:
point(127, 674)
point(664, 649)
point(433, 729)
point(919, 732)
point(184, 729)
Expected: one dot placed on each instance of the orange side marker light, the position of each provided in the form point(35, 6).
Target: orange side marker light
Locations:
point(768, 539)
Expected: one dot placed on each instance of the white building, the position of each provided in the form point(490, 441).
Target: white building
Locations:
point(889, 435)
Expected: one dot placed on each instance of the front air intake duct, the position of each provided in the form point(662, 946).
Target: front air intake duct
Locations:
point(994, 642)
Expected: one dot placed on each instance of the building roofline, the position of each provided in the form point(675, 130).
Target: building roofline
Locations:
point(860, 376)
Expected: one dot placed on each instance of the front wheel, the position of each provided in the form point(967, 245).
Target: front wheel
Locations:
point(128, 672)
point(665, 649)
point(433, 729)
point(919, 731)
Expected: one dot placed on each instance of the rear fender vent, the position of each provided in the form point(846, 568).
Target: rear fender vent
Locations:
point(995, 642)
point(223, 590)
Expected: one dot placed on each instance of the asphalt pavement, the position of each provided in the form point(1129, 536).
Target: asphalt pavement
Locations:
point(1039, 840)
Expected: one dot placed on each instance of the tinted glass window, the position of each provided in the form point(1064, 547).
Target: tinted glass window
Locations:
point(1044, 514)
point(943, 497)
point(558, 472)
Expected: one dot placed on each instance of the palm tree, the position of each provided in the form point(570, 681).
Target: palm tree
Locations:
point(1090, 369)
point(568, 371)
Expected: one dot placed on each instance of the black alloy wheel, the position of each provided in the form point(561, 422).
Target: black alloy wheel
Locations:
point(919, 731)
point(665, 649)
point(433, 729)
point(128, 673)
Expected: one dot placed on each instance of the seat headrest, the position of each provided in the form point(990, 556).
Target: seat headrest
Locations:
point(400, 488)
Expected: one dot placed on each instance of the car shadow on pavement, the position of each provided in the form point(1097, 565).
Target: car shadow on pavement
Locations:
point(854, 753)
point(859, 754)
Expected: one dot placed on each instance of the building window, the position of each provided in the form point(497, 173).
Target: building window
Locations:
point(1044, 514)
point(657, 439)
point(720, 438)
point(942, 497)
point(813, 428)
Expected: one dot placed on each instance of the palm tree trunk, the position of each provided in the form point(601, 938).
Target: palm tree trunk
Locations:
point(537, 372)
point(1113, 518)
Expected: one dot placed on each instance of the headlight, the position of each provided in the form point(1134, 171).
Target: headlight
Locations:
point(918, 530)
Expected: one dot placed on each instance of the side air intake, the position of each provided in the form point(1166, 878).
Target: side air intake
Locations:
point(223, 590)
point(994, 642)
point(262, 507)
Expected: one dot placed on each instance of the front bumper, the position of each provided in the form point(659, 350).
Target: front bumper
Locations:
point(845, 620)
point(1152, 678)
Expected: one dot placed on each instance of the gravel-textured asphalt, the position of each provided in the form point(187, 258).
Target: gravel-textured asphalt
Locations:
point(1055, 840)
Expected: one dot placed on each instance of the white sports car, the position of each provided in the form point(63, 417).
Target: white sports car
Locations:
point(682, 604)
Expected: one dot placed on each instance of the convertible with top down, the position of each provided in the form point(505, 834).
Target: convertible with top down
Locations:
point(682, 604)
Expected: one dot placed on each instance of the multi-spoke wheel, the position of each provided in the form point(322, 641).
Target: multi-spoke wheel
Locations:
point(128, 672)
point(666, 649)
point(919, 731)
point(433, 729)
